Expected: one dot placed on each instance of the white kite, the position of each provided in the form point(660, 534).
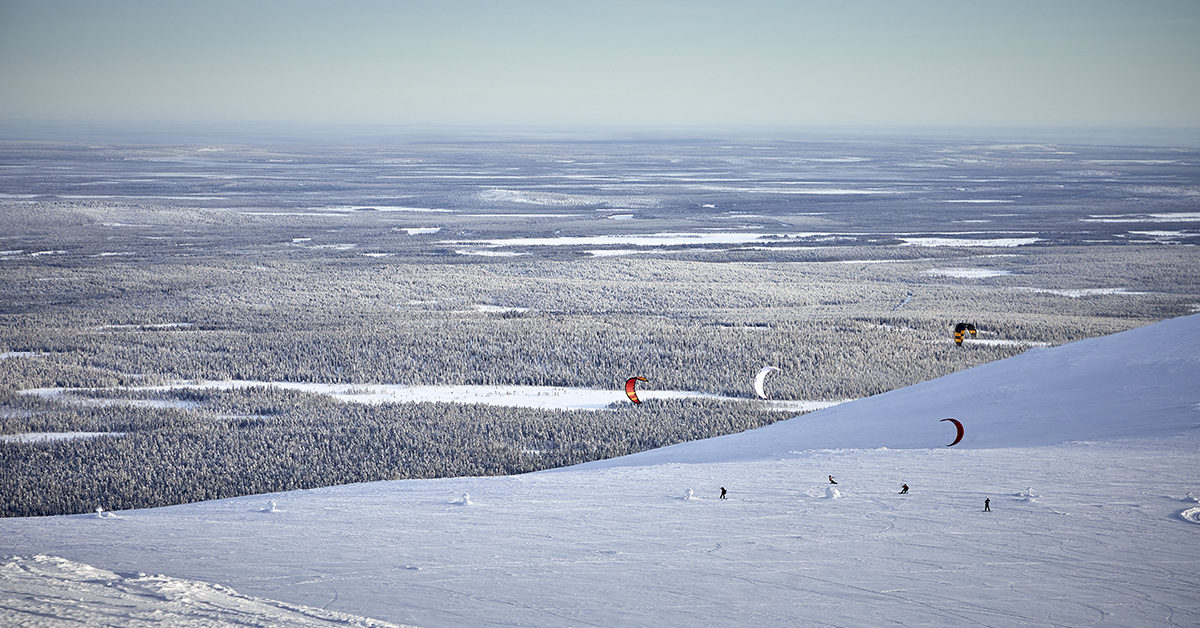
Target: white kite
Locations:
point(758, 380)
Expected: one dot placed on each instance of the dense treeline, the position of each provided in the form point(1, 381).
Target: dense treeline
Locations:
point(821, 359)
point(688, 325)
point(272, 440)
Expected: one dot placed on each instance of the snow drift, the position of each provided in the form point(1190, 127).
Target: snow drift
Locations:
point(78, 594)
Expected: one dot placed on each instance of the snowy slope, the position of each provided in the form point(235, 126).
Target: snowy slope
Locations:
point(1141, 382)
point(1087, 453)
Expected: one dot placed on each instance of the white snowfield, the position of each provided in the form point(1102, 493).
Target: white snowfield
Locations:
point(542, 397)
point(41, 437)
point(1087, 453)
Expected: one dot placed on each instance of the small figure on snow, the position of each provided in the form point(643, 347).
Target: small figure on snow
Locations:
point(987, 504)
point(903, 489)
point(831, 480)
point(688, 494)
point(722, 493)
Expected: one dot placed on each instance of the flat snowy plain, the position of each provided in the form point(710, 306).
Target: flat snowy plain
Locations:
point(1086, 451)
point(544, 397)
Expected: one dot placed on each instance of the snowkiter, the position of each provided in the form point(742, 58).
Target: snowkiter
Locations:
point(903, 489)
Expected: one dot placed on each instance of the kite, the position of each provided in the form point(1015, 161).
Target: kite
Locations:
point(957, 426)
point(758, 380)
point(960, 331)
point(629, 388)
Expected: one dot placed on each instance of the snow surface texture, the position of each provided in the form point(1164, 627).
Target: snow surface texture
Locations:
point(80, 594)
point(1087, 453)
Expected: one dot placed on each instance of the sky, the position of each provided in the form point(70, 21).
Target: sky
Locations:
point(643, 63)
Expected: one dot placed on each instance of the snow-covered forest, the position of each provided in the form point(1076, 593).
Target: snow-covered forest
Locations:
point(130, 273)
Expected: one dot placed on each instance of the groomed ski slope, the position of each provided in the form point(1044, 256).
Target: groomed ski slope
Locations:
point(1086, 451)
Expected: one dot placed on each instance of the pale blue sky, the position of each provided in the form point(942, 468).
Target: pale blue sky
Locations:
point(632, 62)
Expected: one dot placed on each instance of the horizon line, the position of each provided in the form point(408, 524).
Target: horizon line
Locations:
point(158, 131)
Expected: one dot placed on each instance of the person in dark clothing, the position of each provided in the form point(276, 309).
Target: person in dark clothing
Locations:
point(987, 504)
point(723, 492)
point(903, 489)
point(831, 480)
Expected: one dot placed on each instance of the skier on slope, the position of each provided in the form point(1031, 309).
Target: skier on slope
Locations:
point(903, 489)
point(723, 493)
point(987, 504)
point(831, 480)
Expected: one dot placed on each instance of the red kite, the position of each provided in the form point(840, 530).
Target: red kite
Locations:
point(629, 384)
point(959, 427)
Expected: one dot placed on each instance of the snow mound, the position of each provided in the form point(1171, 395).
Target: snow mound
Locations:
point(1026, 495)
point(832, 493)
point(76, 593)
point(1139, 383)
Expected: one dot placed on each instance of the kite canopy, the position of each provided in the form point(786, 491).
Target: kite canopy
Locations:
point(959, 427)
point(630, 391)
point(960, 331)
point(760, 378)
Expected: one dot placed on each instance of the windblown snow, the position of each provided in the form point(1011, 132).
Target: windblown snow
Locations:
point(75, 593)
point(1086, 453)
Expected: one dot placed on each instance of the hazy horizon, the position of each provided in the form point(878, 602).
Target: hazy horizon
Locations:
point(241, 132)
point(535, 64)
